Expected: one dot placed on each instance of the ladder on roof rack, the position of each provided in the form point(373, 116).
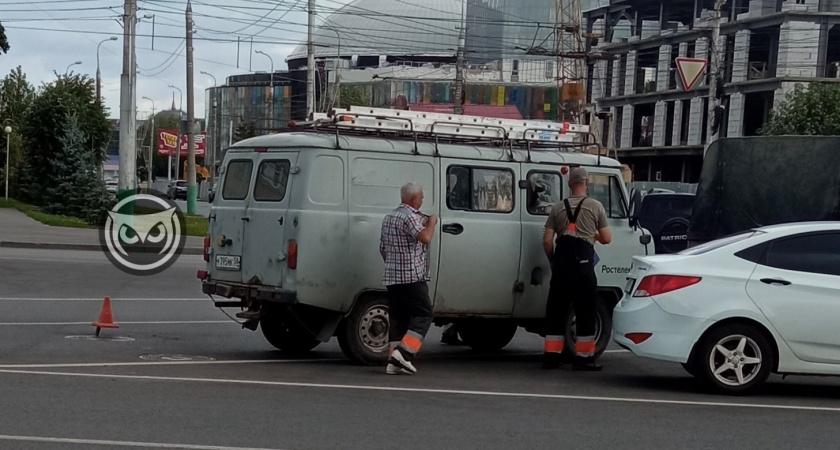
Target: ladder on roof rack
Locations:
point(508, 131)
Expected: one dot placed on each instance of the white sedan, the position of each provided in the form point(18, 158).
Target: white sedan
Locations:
point(734, 310)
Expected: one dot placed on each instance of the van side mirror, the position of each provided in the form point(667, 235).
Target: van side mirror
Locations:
point(524, 184)
point(211, 196)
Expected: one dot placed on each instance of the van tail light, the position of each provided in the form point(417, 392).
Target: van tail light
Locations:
point(207, 248)
point(661, 284)
point(293, 255)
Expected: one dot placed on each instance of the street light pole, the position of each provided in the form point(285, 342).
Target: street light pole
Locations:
point(178, 144)
point(71, 65)
point(98, 73)
point(337, 98)
point(8, 131)
point(270, 88)
point(152, 144)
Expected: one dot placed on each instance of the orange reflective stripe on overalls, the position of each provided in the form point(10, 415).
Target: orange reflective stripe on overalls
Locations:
point(585, 346)
point(412, 342)
point(554, 344)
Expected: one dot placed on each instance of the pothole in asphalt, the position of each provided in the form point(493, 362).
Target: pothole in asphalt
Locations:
point(176, 358)
point(101, 338)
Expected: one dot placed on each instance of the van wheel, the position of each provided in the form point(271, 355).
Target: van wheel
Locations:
point(603, 330)
point(363, 336)
point(286, 335)
point(487, 336)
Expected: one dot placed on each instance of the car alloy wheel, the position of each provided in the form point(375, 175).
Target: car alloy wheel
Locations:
point(736, 360)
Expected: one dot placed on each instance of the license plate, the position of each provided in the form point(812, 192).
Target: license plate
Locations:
point(629, 286)
point(224, 262)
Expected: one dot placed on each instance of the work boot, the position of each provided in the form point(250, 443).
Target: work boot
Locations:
point(586, 365)
point(402, 360)
point(551, 361)
point(396, 370)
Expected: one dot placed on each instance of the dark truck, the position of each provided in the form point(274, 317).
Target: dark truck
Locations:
point(758, 181)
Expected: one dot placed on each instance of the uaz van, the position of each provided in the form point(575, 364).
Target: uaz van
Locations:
point(295, 226)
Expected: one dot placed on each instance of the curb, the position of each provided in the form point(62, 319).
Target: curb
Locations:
point(81, 247)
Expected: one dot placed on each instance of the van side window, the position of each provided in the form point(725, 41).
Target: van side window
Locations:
point(272, 178)
point(237, 180)
point(546, 190)
point(607, 190)
point(479, 189)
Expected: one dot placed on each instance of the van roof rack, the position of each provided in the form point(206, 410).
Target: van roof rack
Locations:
point(511, 133)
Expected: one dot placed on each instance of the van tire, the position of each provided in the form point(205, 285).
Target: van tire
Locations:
point(603, 330)
point(487, 335)
point(367, 323)
point(285, 333)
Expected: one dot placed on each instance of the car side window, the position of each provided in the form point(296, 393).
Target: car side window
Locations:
point(237, 180)
point(607, 190)
point(480, 189)
point(546, 189)
point(812, 253)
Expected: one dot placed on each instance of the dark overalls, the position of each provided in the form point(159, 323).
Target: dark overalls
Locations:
point(573, 281)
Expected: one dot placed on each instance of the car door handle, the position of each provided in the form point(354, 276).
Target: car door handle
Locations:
point(775, 281)
point(453, 228)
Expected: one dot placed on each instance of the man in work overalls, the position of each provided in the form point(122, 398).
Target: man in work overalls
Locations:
point(576, 223)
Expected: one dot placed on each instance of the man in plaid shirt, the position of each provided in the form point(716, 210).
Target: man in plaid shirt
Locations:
point(406, 234)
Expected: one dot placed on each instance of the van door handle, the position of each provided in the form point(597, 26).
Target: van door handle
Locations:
point(453, 228)
point(246, 219)
point(775, 281)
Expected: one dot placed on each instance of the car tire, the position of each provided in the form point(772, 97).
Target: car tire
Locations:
point(285, 333)
point(734, 349)
point(487, 335)
point(603, 330)
point(363, 335)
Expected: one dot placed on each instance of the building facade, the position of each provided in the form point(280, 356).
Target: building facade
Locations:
point(767, 47)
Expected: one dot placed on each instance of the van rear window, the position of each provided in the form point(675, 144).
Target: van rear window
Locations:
point(237, 180)
point(272, 178)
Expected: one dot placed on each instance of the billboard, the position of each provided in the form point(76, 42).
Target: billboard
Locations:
point(167, 139)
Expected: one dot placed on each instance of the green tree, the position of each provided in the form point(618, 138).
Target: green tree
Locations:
point(43, 128)
point(4, 43)
point(244, 130)
point(354, 96)
point(811, 111)
point(77, 188)
point(16, 96)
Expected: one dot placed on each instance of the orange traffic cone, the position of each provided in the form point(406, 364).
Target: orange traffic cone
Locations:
point(106, 319)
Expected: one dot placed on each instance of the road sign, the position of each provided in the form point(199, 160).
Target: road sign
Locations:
point(691, 69)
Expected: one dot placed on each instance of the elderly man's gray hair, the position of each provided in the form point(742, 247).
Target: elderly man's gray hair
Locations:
point(410, 190)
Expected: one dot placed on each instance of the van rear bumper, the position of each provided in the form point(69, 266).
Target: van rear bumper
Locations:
point(262, 294)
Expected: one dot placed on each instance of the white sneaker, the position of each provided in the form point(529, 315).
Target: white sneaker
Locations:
point(395, 370)
point(399, 360)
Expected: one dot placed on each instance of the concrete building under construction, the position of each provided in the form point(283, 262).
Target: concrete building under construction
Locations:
point(767, 47)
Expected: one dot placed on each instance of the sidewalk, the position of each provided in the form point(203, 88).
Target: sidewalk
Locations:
point(17, 230)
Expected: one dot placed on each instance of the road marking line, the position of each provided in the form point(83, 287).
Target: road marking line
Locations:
point(74, 261)
point(431, 391)
point(163, 363)
point(122, 443)
point(161, 322)
point(113, 299)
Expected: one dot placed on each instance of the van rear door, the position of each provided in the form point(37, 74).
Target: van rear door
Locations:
point(266, 219)
point(227, 227)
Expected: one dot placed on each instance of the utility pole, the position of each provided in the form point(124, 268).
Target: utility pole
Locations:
point(571, 60)
point(152, 144)
point(192, 187)
point(128, 128)
point(715, 109)
point(459, 65)
point(310, 51)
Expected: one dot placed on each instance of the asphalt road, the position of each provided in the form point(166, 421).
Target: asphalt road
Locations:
point(178, 373)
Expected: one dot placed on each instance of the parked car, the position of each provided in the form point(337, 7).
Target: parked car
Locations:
point(177, 190)
point(111, 185)
point(736, 309)
point(666, 215)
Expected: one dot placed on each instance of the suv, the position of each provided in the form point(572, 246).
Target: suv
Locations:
point(177, 190)
point(667, 216)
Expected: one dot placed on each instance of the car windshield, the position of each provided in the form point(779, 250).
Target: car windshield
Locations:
point(719, 243)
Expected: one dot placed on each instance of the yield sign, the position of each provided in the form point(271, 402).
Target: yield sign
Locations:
point(691, 69)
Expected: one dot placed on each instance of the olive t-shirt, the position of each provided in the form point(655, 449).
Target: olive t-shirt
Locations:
point(592, 218)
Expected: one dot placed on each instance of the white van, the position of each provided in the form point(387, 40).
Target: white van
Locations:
point(295, 228)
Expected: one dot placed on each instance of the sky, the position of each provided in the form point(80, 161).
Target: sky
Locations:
point(47, 36)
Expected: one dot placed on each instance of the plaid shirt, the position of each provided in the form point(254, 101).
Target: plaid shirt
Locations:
point(406, 258)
